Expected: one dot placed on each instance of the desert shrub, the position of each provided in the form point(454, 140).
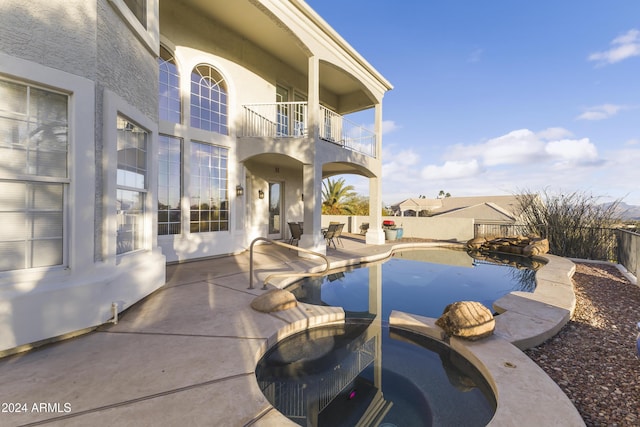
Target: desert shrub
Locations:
point(577, 224)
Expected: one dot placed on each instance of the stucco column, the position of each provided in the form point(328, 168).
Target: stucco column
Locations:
point(313, 98)
point(312, 238)
point(375, 235)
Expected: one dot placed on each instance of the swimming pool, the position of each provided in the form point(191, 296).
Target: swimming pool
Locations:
point(367, 372)
point(420, 282)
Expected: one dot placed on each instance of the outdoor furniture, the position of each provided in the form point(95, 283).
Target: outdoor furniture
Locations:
point(364, 227)
point(338, 235)
point(330, 235)
point(296, 232)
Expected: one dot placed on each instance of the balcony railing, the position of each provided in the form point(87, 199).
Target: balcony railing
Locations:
point(277, 120)
point(289, 120)
point(335, 128)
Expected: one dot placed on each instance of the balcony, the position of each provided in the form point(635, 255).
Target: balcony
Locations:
point(290, 120)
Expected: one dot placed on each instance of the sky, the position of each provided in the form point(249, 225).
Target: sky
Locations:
point(500, 97)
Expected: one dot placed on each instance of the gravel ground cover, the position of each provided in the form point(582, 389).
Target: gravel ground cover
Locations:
point(593, 358)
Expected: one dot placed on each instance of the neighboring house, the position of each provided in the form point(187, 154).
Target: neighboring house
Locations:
point(416, 207)
point(484, 209)
point(136, 133)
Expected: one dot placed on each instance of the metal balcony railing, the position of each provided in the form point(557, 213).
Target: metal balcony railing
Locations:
point(290, 120)
point(275, 120)
point(335, 128)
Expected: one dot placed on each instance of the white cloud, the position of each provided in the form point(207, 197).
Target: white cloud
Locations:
point(388, 126)
point(518, 146)
point(451, 170)
point(634, 141)
point(521, 148)
point(601, 112)
point(581, 151)
point(399, 163)
point(549, 158)
point(623, 47)
point(554, 133)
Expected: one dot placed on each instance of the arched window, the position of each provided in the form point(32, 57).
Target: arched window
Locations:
point(169, 97)
point(208, 100)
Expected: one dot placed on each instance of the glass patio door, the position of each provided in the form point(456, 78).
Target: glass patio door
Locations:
point(283, 113)
point(275, 209)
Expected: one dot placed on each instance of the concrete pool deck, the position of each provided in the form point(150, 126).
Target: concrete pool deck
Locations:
point(186, 354)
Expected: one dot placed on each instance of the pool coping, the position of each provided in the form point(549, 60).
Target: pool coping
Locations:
point(525, 394)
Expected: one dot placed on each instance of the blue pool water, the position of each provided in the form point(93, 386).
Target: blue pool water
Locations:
point(421, 282)
point(368, 373)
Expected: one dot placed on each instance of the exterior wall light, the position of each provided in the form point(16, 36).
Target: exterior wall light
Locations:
point(239, 190)
point(260, 194)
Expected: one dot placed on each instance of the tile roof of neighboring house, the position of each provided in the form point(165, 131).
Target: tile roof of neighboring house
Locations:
point(481, 212)
point(503, 205)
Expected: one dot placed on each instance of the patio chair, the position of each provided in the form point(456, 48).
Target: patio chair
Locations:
point(338, 235)
point(330, 235)
point(296, 232)
point(364, 227)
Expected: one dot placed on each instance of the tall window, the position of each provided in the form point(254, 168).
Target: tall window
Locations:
point(209, 192)
point(208, 100)
point(170, 108)
point(131, 185)
point(169, 185)
point(33, 176)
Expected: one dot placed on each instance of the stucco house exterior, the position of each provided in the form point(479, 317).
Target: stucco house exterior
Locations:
point(134, 133)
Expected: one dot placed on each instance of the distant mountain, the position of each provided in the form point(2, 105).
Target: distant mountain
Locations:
point(627, 212)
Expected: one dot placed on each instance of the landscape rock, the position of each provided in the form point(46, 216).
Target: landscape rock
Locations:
point(536, 247)
point(467, 319)
point(476, 243)
point(519, 245)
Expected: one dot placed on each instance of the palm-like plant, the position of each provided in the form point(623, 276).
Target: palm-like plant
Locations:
point(337, 197)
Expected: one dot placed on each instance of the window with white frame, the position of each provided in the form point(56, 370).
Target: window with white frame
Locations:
point(209, 188)
point(169, 185)
point(132, 184)
point(34, 140)
point(139, 10)
point(209, 100)
point(169, 85)
point(141, 16)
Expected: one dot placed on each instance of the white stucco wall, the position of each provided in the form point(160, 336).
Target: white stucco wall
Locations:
point(84, 49)
point(56, 34)
point(458, 229)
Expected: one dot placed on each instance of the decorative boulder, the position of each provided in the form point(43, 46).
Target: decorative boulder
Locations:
point(476, 243)
point(536, 247)
point(274, 300)
point(467, 319)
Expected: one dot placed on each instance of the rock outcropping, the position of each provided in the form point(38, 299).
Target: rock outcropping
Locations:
point(519, 245)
